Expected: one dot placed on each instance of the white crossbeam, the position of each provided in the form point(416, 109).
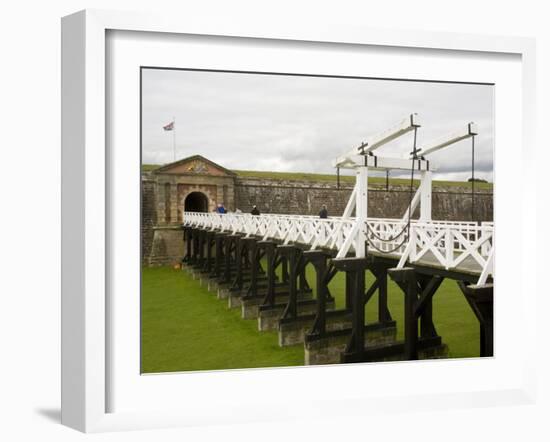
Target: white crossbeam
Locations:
point(470, 131)
point(382, 163)
point(405, 125)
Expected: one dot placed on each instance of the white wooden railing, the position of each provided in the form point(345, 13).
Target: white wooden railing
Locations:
point(449, 244)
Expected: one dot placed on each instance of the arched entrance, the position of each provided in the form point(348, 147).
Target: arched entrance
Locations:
point(196, 202)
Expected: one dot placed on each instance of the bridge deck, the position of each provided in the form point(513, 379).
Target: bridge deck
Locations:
point(468, 267)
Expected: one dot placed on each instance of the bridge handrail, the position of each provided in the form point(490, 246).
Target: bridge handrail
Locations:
point(450, 243)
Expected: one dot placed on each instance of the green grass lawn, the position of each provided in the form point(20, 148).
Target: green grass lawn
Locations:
point(184, 327)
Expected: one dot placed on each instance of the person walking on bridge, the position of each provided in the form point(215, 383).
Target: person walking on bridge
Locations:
point(255, 210)
point(323, 213)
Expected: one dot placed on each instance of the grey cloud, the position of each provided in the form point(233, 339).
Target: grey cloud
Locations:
point(287, 123)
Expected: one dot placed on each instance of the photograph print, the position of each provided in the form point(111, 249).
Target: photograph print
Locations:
point(296, 220)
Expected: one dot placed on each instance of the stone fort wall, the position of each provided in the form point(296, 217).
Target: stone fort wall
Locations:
point(306, 198)
point(148, 215)
point(162, 244)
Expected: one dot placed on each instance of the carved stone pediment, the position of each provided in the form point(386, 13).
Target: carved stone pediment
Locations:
point(195, 165)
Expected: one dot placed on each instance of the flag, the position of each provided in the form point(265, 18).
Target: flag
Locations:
point(169, 126)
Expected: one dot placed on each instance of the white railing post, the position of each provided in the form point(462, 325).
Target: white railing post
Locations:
point(413, 242)
point(361, 206)
point(425, 196)
point(449, 248)
point(487, 270)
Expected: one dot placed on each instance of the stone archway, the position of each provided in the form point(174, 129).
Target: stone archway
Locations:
point(196, 202)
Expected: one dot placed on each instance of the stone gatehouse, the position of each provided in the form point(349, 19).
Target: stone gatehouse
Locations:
point(194, 184)
point(198, 184)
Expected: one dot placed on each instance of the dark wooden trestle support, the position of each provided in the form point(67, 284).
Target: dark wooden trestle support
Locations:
point(480, 299)
point(242, 263)
point(324, 272)
point(195, 240)
point(381, 274)
point(203, 264)
point(291, 258)
point(248, 270)
point(229, 266)
point(187, 244)
point(191, 259)
point(346, 343)
point(201, 243)
point(251, 284)
point(267, 294)
point(427, 288)
point(418, 290)
point(254, 255)
point(197, 256)
point(355, 269)
point(210, 242)
point(298, 287)
point(194, 258)
point(381, 332)
point(230, 258)
point(268, 248)
point(296, 299)
point(270, 288)
point(309, 312)
point(219, 259)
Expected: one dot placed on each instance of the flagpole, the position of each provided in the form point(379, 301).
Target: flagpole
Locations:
point(174, 120)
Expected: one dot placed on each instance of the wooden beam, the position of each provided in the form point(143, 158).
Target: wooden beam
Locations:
point(470, 131)
point(374, 142)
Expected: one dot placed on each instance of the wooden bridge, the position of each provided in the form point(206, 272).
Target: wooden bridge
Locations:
point(259, 263)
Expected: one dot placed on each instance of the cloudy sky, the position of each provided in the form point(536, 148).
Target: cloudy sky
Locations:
point(289, 123)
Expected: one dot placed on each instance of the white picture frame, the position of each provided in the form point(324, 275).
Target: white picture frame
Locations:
point(86, 169)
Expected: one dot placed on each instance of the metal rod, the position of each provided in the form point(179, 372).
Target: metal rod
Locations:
point(414, 145)
point(473, 179)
